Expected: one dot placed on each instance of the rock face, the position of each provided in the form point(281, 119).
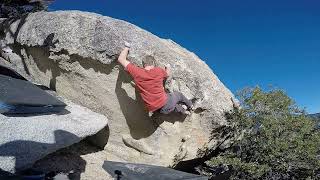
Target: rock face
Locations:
point(75, 54)
point(26, 139)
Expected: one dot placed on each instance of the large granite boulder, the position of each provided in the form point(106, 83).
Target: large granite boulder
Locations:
point(24, 139)
point(74, 53)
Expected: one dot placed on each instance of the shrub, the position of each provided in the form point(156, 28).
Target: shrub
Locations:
point(278, 140)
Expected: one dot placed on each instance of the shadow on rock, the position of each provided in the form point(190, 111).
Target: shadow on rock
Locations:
point(66, 162)
point(171, 118)
point(25, 153)
point(61, 113)
point(8, 176)
point(137, 118)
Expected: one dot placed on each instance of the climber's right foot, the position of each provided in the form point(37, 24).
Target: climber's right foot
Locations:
point(187, 113)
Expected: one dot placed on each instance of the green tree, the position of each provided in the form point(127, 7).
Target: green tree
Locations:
point(278, 140)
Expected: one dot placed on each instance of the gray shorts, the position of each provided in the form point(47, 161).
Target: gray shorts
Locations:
point(174, 102)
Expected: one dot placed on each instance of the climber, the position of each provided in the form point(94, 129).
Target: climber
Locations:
point(149, 81)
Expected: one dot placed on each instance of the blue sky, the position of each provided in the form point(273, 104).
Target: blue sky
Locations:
point(246, 43)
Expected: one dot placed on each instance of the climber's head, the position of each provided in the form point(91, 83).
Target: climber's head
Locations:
point(148, 62)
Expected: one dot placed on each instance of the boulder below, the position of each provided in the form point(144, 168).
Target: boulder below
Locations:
point(26, 139)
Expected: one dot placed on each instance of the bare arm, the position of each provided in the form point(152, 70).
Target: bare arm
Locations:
point(122, 59)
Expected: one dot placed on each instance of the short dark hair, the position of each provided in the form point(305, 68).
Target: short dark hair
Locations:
point(148, 61)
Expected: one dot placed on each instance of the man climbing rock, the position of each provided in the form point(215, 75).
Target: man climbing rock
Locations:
point(149, 81)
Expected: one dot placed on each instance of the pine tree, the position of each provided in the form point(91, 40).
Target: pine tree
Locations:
point(279, 141)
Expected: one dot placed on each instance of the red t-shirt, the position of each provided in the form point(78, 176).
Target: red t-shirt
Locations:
point(150, 85)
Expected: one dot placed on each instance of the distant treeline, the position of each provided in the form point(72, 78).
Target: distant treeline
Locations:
point(316, 116)
point(16, 8)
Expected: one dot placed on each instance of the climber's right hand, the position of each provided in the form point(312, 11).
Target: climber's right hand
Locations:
point(122, 59)
point(127, 45)
point(167, 68)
